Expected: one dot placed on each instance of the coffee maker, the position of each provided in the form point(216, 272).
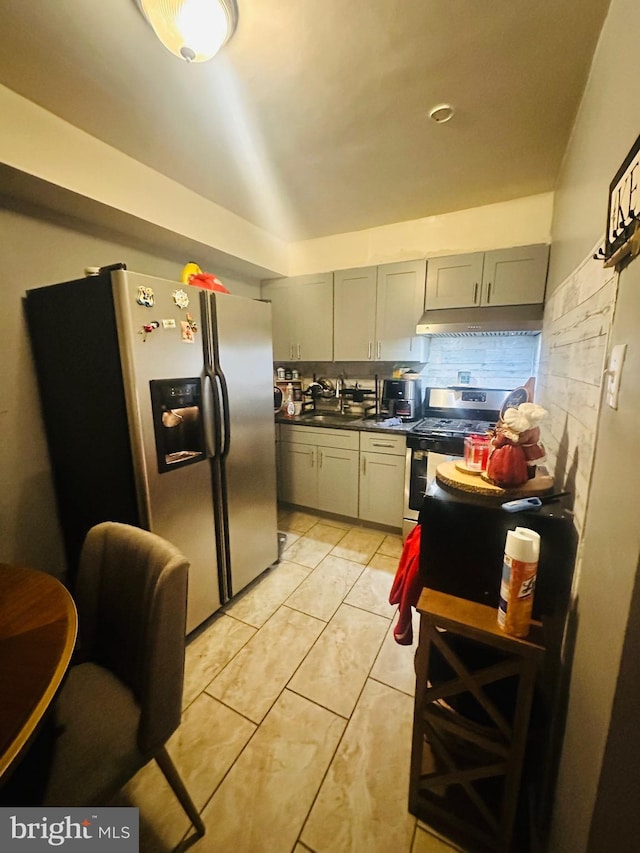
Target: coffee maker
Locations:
point(402, 398)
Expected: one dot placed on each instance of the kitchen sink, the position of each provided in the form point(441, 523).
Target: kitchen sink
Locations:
point(332, 417)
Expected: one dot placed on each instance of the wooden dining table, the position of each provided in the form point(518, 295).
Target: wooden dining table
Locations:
point(38, 626)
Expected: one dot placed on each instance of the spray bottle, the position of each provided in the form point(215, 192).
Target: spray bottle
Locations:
point(519, 570)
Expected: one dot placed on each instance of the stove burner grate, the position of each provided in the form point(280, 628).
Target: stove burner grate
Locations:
point(450, 427)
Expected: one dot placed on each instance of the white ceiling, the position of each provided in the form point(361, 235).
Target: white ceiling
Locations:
point(313, 119)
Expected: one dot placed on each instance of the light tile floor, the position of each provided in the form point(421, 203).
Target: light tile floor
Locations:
point(296, 730)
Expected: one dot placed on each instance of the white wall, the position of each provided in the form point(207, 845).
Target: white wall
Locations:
point(494, 226)
point(577, 322)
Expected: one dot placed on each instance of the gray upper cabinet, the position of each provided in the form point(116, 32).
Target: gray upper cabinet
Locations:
point(302, 317)
point(281, 318)
point(501, 277)
point(515, 276)
point(376, 311)
point(454, 281)
point(400, 299)
point(354, 314)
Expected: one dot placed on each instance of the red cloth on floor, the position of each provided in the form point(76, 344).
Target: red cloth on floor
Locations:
point(406, 587)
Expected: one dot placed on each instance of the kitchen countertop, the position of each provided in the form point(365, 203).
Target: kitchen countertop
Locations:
point(336, 421)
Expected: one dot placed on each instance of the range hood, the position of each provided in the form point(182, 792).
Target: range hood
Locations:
point(491, 320)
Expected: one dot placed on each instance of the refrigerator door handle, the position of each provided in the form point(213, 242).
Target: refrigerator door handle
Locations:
point(223, 412)
point(217, 418)
point(208, 415)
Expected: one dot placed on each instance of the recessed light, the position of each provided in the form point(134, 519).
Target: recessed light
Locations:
point(441, 113)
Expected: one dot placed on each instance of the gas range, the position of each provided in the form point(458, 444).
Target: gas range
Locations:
point(445, 435)
point(450, 414)
point(453, 413)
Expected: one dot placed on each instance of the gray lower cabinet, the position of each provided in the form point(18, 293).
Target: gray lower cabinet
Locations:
point(382, 466)
point(338, 480)
point(298, 477)
point(344, 472)
point(319, 469)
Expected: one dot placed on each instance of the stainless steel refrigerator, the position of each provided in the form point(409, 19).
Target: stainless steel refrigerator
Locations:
point(157, 402)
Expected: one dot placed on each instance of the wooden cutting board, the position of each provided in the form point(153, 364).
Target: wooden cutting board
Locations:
point(449, 475)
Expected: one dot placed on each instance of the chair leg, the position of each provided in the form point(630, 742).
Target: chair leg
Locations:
point(174, 779)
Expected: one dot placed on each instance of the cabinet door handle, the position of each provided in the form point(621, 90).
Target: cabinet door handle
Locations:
point(364, 466)
point(312, 457)
point(291, 352)
point(298, 352)
point(370, 349)
point(381, 444)
point(475, 293)
point(319, 459)
point(379, 350)
point(489, 293)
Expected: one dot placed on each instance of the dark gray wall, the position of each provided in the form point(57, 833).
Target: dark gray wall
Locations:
point(601, 690)
point(616, 818)
point(606, 127)
point(40, 248)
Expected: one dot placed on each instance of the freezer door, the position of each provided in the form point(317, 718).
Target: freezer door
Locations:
point(177, 501)
point(241, 336)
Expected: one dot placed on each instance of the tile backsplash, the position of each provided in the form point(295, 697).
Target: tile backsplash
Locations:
point(493, 361)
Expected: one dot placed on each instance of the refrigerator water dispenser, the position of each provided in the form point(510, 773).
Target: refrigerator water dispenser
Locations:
point(177, 422)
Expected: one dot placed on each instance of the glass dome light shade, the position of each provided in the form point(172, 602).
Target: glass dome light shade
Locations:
point(193, 30)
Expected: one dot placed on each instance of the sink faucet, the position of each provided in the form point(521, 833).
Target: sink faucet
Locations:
point(339, 390)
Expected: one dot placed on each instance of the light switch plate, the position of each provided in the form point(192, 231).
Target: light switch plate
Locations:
point(616, 360)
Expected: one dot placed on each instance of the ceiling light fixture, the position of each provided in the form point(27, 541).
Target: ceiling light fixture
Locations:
point(193, 30)
point(441, 113)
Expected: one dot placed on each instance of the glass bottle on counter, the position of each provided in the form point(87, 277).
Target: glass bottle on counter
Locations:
point(289, 405)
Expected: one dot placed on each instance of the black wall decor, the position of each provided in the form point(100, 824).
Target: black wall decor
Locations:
point(622, 238)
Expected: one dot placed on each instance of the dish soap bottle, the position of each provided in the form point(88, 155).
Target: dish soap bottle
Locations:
point(289, 405)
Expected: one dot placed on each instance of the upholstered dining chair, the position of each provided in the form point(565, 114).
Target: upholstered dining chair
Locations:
point(122, 701)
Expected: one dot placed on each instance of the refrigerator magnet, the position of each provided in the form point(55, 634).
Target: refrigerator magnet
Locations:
point(188, 331)
point(145, 297)
point(181, 299)
point(148, 328)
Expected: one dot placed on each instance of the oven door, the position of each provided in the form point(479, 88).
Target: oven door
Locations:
point(420, 471)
